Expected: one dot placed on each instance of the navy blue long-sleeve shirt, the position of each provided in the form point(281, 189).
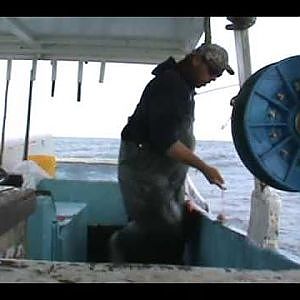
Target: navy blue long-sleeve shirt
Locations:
point(166, 102)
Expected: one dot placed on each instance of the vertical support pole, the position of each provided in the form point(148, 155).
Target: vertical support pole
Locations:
point(207, 30)
point(32, 78)
point(8, 74)
point(54, 68)
point(102, 71)
point(243, 54)
point(265, 205)
point(79, 79)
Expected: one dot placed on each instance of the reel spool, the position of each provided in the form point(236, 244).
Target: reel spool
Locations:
point(265, 124)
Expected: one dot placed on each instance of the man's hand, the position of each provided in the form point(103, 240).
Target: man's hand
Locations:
point(191, 206)
point(213, 176)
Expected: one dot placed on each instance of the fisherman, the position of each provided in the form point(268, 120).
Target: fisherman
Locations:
point(157, 148)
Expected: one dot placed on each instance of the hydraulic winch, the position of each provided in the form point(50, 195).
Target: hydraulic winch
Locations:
point(266, 124)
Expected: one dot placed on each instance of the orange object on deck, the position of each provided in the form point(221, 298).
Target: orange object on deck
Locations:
point(46, 162)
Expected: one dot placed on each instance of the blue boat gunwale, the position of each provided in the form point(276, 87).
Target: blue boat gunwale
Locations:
point(211, 233)
point(205, 248)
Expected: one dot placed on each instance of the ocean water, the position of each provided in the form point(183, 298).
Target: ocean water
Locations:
point(235, 203)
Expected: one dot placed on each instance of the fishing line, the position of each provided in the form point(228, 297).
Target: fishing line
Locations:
point(226, 123)
point(221, 216)
point(223, 202)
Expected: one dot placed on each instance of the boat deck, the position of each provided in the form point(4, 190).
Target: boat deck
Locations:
point(12, 270)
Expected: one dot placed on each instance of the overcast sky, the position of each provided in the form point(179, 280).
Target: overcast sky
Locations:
point(105, 107)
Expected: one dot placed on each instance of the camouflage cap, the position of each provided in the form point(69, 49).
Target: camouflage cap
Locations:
point(216, 56)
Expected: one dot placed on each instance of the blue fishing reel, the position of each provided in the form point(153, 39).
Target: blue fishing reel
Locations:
point(265, 124)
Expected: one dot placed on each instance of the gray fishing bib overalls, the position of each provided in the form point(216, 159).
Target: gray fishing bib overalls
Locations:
point(152, 187)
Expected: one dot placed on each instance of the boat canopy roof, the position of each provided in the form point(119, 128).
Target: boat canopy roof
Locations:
point(106, 39)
